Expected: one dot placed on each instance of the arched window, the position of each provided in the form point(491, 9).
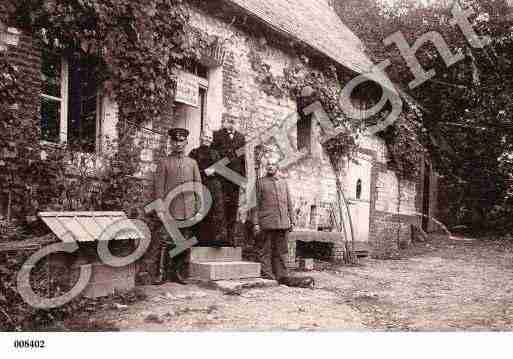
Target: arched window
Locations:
point(359, 189)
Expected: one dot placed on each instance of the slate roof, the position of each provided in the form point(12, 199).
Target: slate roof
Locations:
point(316, 24)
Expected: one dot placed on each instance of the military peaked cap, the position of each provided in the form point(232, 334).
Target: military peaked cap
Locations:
point(178, 134)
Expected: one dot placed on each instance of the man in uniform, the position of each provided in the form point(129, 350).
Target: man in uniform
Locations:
point(227, 142)
point(174, 171)
point(273, 218)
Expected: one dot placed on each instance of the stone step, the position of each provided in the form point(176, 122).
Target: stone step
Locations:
point(209, 254)
point(214, 271)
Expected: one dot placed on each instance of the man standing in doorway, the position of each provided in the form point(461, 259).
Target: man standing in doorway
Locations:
point(174, 171)
point(227, 142)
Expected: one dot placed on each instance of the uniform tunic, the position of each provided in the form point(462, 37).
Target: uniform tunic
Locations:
point(274, 204)
point(274, 215)
point(173, 172)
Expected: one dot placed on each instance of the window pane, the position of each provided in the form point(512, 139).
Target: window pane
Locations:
point(82, 104)
point(50, 119)
point(51, 73)
point(304, 133)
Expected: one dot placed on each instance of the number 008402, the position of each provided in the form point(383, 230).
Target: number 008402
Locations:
point(29, 344)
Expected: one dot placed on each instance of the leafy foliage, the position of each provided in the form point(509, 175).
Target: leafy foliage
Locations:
point(466, 123)
point(137, 46)
point(326, 87)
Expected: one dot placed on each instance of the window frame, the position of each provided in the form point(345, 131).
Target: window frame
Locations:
point(203, 101)
point(64, 111)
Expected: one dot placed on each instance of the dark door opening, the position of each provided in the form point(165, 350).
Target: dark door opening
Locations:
point(316, 250)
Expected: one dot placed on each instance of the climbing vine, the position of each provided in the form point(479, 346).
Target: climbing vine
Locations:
point(137, 48)
point(138, 45)
point(402, 138)
point(405, 148)
point(308, 86)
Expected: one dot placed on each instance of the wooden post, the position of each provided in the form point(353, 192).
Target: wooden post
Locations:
point(350, 256)
point(9, 206)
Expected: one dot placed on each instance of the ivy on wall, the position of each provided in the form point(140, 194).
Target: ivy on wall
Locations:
point(405, 148)
point(402, 138)
point(138, 46)
point(306, 86)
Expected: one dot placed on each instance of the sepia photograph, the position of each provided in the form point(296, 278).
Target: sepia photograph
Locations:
point(209, 167)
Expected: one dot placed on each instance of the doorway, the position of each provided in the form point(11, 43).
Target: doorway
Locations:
point(193, 119)
point(358, 194)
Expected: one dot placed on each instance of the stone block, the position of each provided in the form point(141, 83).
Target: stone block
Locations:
point(103, 273)
point(306, 264)
point(224, 270)
point(209, 254)
point(385, 245)
point(106, 280)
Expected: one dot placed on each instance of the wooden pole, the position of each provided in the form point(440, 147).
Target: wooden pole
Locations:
point(351, 258)
point(351, 255)
point(9, 206)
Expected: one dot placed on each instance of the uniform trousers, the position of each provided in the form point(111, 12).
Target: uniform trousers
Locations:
point(274, 253)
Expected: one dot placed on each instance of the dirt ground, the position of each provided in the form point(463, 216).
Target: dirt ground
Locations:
point(444, 285)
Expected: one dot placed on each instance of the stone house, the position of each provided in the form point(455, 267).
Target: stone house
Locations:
point(226, 84)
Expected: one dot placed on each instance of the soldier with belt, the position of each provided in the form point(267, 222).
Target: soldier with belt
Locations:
point(174, 171)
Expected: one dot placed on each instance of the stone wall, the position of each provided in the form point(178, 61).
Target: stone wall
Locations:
point(395, 204)
point(26, 57)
